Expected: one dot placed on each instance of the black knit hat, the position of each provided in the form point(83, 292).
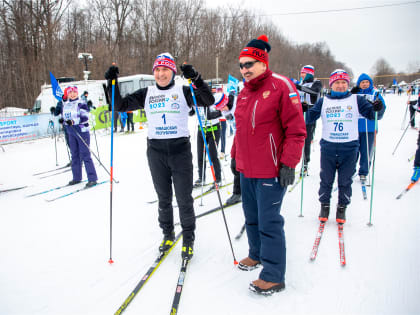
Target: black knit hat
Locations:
point(257, 49)
point(260, 43)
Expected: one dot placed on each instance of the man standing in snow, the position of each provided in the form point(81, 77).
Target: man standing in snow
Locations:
point(309, 92)
point(416, 173)
point(167, 107)
point(270, 134)
point(339, 111)
point(364, 87)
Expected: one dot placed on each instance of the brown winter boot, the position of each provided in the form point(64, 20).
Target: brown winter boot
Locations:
point(248, 264)
point(265, 287)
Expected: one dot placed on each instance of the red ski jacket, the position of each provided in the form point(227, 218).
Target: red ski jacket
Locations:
point(270, 129)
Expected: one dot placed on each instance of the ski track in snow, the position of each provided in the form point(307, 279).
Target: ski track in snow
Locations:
point(55, 255)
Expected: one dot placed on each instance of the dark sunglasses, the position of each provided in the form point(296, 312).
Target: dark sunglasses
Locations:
point(248, 64)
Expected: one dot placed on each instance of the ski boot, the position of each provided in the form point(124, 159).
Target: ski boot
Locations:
point(341, 214)
point(73, 182)
point(325, 212)
point(198, 183)
point(235, 198)
point(187, 249)
point(416, 174)
point(167, 242)
point(90, 184)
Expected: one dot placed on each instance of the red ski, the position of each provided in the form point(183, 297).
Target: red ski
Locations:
point(407, 189)
point(341, 245)
point(317, 240)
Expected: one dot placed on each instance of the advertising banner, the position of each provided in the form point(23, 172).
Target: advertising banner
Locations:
point(21, 128)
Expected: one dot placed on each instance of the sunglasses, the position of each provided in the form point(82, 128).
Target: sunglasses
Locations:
point(248, 64)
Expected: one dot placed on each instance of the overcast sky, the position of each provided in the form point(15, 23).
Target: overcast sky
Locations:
point(357, 37)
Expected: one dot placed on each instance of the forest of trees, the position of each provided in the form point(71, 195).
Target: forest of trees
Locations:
point(38, 36)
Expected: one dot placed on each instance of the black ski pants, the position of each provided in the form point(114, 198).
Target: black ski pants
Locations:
point(310, 130)
point(170, 161)
point(212, 144)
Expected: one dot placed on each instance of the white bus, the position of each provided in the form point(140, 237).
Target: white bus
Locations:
point(95, 88)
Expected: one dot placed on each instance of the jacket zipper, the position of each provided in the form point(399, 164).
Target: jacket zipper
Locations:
point(253, 117)
point(273, 152)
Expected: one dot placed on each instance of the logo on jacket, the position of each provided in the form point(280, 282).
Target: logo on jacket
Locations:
point(266, 94)
point(174, 97)
point(349, 115)
point(349, 107)
point(175, 106)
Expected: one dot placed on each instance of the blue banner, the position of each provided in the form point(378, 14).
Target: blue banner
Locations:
point(395, 82)
point(232, 84)
point(56, 90)
point(30, 127)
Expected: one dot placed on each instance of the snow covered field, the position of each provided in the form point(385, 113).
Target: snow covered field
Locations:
point(54, 255)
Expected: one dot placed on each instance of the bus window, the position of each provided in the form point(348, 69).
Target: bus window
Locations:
point(37, 106)
point(126, 87)
point(145, 83)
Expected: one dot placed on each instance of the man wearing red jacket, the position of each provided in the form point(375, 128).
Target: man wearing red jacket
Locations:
point(270, 134)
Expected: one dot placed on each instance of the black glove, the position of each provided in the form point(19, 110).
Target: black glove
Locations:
point(355, 90)
point(112, 73)
point(286, 176)
point(233, 167)
point(61, 120)
point(305, 107)
point(52, 110)
point(69, 122)
point(189, 72)
point(298, 86)
point(377, 105)
point(191, 112)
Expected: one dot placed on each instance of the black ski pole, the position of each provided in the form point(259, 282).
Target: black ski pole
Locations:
point(401, 138)
point(212, 171)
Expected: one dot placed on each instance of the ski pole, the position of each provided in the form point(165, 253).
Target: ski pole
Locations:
point(87, 146)
point(405, 115)
point(373, 169)
point(51, 126)
point(400, 138)
point(203, 172)
point(217, 148)
point(367, 150)
point(302, 173)
point(112, 173)
point(96, 141)
point(212, 170)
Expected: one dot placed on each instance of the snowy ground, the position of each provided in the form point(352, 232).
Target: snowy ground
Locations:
point(55, 254)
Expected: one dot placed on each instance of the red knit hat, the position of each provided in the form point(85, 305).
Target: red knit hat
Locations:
point(165, 60)
point(308, 69)
point(339, 74)
point(257, 49)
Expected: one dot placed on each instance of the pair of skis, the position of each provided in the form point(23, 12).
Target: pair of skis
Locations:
point(318, 237)
point(208, 191)
point(66, 194)
point(158, 261)
point(156, 264)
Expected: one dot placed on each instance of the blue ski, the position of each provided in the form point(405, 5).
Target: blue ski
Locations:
point(51, 189)
point(76, 191)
